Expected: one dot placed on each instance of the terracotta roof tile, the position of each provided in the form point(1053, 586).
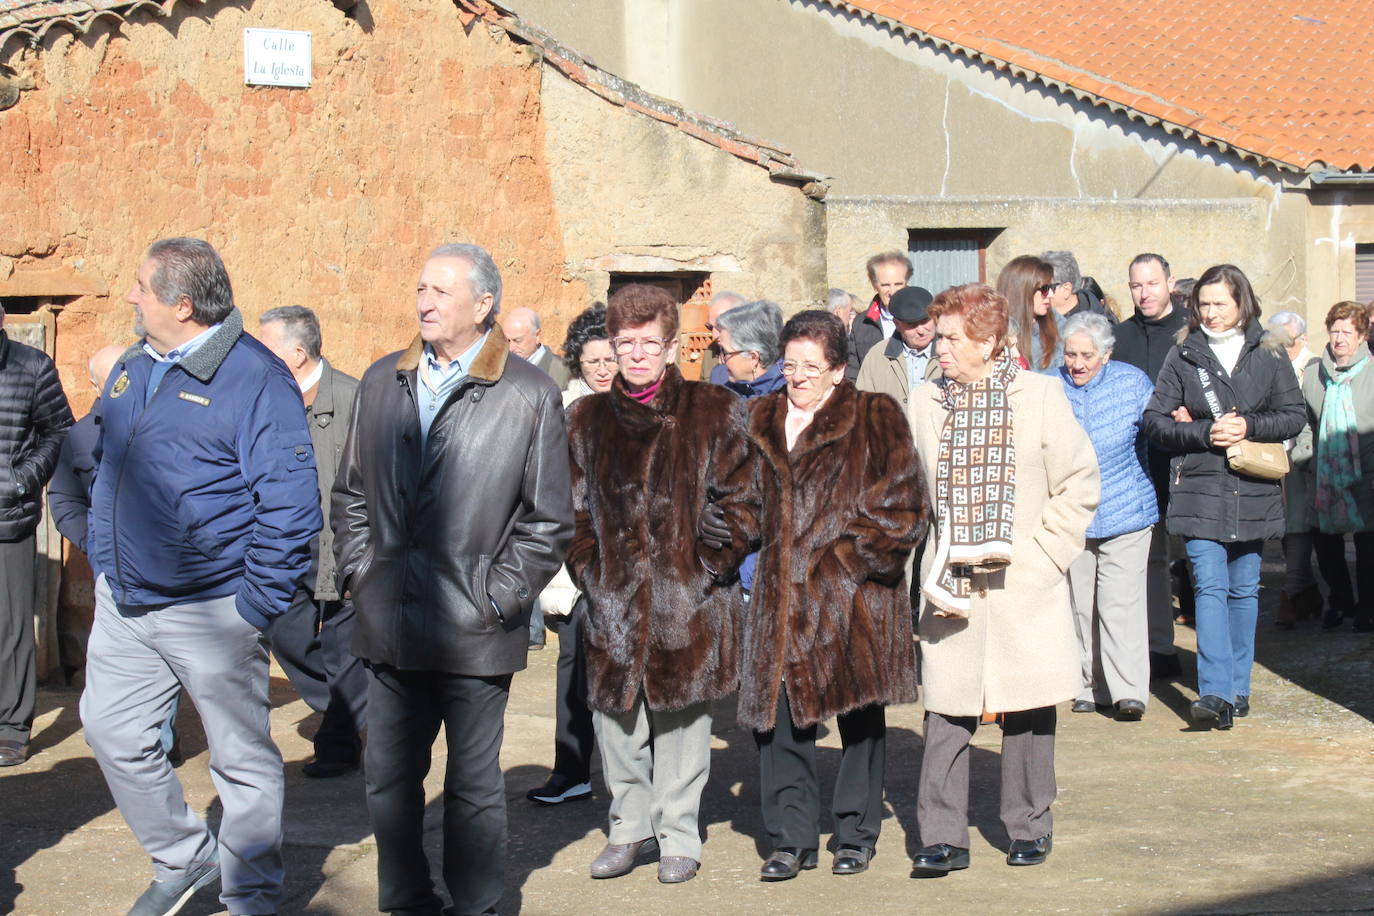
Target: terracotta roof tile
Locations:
point(1275, 80)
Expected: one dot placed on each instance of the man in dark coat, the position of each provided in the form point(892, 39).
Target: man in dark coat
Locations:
point(34, 418)
point(1143, 341)
point(313, 640)
point(888, 272)
point(452, 510)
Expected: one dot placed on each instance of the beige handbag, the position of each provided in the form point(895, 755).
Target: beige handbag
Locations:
point(1265, 460)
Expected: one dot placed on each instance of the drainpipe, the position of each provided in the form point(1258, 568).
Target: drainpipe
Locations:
point(1338, 178)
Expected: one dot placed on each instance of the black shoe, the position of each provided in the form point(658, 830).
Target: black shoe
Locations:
point(1130, 711)
point(559, 789)
point(1030, 852)
point(162, 898)
point(1333, 618)
point(938, 860)
point(787, 862)
point(1212, 710)
point(1242, 708)
point(1364, 624)
point(1083, 706)
point(851, 860)
point(1164, 664)
point(329, 769)
point(13, 753)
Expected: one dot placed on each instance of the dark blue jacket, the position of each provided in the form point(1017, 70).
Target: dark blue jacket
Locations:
point(69, 491)
point(209, 490)
point(771, 381)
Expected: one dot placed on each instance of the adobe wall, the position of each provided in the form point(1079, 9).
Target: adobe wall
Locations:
point(414, 132)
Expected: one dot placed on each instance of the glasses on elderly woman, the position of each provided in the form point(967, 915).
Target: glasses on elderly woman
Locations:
point(810, 370)
point(591, 365)
point(652, 346)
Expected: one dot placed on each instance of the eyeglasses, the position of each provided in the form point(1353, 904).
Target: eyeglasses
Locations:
point(594, 364)
point(1046, 289)
point(810, 370)
point(731, 354)
point(652, 346)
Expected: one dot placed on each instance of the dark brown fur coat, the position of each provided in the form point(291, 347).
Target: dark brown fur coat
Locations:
point(830, 614)
point(664, 611)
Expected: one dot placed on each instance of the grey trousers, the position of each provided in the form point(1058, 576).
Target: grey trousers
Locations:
point(1028, 787)
point(655, 763)
point(18, 685)
point(1159, 593)
point(137, 660)
point(1106, 585)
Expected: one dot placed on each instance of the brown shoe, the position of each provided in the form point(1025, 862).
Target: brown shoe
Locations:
point(1308, 603)
point(13, 753)
point(1287, 616)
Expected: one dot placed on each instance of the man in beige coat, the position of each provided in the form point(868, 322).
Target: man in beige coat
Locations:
point(1015, 652)
point(907, 360)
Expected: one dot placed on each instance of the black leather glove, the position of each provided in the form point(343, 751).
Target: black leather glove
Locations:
point(711, 527)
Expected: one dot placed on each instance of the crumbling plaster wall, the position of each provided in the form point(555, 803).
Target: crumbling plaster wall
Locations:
point(635, 195)
point(414, 132)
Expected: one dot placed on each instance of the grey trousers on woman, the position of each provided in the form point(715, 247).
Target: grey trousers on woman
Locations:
point(1028, 787)
point(1107, 588)
point(655, 763)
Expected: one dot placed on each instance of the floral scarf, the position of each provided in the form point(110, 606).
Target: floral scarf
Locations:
point(975, 488)
point(1338, 454)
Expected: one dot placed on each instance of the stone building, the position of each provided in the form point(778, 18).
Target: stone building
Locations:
point(970, 132)
point(425, 121)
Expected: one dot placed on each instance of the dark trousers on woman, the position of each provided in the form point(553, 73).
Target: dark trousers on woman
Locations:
point(405, 710)
point(790, 790)
point(1028, 786)
point(574, 735)
point(1331, 561)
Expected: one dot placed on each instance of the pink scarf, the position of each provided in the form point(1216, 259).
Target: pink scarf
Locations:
point(646, 395)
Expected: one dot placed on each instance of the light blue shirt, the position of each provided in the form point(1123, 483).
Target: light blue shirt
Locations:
point(175, 355)
point(437, 382)
point(916, 363)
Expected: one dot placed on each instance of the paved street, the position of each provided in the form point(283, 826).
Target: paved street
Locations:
point(1274, 816)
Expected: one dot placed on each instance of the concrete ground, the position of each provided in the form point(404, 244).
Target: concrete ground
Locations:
point(1276, 815)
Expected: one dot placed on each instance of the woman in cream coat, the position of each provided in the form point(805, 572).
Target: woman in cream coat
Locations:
point(996, 630)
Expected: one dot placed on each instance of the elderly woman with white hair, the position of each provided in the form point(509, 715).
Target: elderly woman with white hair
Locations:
point(1107, 580)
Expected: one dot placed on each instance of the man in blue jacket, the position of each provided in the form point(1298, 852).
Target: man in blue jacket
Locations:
point(204, 506)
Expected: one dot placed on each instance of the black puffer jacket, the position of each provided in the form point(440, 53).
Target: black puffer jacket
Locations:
point(1206, 498)
point(34, 418)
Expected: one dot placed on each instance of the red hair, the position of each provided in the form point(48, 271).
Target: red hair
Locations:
point(983, 309)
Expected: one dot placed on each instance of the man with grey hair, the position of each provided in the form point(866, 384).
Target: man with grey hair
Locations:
point(34, 418)
point(525, 337)
point(451, 511)
point(845, 306)
point(711, 369)
point(1073, 292)
point(204, 506)
point(312, 639)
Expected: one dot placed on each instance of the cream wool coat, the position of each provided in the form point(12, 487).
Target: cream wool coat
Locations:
point(1017, 649)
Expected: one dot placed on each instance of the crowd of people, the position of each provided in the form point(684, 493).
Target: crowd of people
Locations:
point(1000, 482)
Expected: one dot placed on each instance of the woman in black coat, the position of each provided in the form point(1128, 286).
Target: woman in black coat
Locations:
point(1225, 382)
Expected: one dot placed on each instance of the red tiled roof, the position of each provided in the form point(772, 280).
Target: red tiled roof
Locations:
point(1269, 80)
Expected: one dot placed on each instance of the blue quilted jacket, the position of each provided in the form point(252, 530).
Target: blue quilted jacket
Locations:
point(1109, 408)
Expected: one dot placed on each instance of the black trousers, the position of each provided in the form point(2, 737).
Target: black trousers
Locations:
point(790, 791)
point(312, 642)
point(406, 709)
point(18, 681)
point(1028, 786)
point(1331, 561)
point(574, 736)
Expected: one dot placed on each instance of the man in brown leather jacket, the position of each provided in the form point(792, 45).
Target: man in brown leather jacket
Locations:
point(451, 511)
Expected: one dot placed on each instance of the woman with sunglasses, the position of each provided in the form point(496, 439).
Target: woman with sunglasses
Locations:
point(655, 459)
point(1027, 282)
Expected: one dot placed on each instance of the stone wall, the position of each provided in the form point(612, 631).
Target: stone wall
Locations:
point(415, 132)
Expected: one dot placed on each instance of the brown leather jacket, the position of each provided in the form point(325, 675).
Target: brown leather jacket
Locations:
point(433, 543)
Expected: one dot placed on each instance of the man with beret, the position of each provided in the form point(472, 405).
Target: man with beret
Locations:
point(908, 359)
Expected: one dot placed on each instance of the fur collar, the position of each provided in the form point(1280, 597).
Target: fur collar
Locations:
point(205, 362)
point(486, 368)
point(768, 419)
point(642, 416)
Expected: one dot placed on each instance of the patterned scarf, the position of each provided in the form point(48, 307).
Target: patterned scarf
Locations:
point(1338, 455)
point(975, 488)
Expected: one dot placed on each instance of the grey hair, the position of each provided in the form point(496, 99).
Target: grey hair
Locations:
point(191, 268)
point(837, 299)
point(1065, 267)
point(755, 327)
point(730, 299)
point(1097, 327)
point(1296, 324)
point(483, 277)
point(300, 324)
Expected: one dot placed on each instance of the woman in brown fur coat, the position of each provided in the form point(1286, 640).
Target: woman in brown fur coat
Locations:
point(828, 631)
point(664, 606)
